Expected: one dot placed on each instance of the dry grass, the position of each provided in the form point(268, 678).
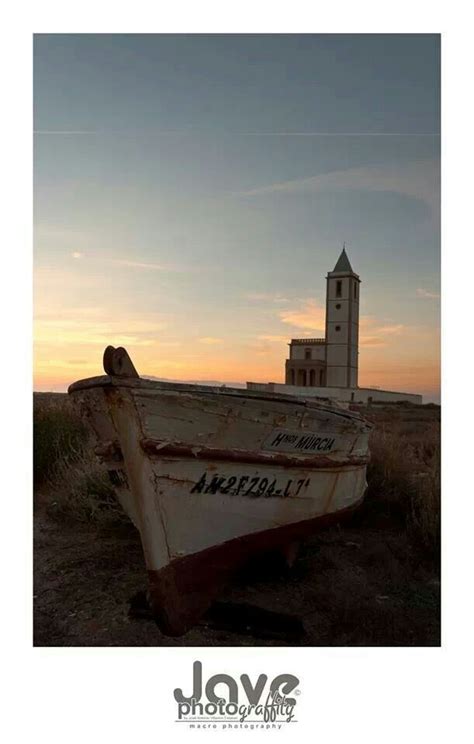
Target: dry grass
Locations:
point(66, 467)
point(404, 478)
point(58, 434)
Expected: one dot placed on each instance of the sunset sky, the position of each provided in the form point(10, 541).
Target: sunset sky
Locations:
point(192, 192)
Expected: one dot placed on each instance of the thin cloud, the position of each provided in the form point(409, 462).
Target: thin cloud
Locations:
point(372, 334)
point(342, 134)
point(391, 330)
point(140, 265)
point(124, 132)
point(210, 340)
point(67, 364)
point(64, 131)
point(51, 313)
point(132, 264)
point(418, 180)
point(72, 330)
point(425, 294)
point(206, 132)
point(369, 342)
point(152, 266)
point(309, 316)
point(266, 297)
point(273, 338)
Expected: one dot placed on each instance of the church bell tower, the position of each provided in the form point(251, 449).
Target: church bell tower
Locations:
point(342, 325)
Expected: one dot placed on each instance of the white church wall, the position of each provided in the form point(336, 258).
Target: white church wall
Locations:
point(339, 376)
point(337, 355)
point(336, 336)
point(338, 311)
point(298, 351)
point(354, 395)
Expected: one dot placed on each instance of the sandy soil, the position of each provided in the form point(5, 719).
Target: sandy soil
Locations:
point(351, 585)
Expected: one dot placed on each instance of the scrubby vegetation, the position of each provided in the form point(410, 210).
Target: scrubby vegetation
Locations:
point(58, 434)
point(65, 464)
point(404, 480)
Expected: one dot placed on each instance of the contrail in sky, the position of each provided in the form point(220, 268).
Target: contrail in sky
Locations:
point(236, 134)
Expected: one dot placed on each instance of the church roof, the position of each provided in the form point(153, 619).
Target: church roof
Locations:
point(343, 263)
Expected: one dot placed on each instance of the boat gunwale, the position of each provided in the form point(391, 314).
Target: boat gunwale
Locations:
point(141, 383)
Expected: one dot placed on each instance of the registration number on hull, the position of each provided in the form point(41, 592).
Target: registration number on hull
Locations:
point(253, 487)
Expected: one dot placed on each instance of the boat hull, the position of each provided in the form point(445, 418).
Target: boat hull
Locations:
point(207, 503)
point(212, 478)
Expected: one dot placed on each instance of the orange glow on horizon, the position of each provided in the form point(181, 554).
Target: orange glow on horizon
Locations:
point(69, 342)
point(54, 375)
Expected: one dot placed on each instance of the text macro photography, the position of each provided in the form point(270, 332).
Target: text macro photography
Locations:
point(236, 348)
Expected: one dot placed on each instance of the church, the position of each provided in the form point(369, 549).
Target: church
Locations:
point(329, 366)
point(331, 361)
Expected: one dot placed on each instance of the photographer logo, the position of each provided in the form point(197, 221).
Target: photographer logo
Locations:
point(245, 703)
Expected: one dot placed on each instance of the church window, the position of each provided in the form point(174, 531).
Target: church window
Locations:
point(339, 288)
point(338, 306)
point(338, 328)
point(355, 290)
point(307, 353)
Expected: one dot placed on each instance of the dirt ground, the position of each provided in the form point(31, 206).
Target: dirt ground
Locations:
point(352, 585)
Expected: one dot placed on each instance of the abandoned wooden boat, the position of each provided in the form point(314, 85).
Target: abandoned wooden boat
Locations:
point(212, 476)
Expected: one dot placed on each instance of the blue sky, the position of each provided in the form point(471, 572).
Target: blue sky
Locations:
point(191, 193)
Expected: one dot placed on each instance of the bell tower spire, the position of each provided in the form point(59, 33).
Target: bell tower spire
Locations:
point(342, 324)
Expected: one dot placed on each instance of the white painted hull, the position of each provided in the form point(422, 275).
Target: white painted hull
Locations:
point(212, 518)
point(210, 476)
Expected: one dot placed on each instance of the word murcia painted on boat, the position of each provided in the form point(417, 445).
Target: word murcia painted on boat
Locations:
point(291, 441)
